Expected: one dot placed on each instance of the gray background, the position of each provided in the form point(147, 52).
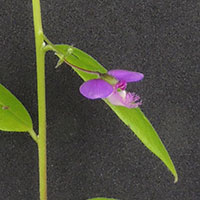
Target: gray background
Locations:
point(90, 151)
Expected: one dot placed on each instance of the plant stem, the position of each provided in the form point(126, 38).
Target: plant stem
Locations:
point(40, 61)
point(33, 135)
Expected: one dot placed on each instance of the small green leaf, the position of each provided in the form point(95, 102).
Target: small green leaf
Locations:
point(133, 118)
point(60, 62)
point(101, 198)
point(81, 59)
point(13, 115)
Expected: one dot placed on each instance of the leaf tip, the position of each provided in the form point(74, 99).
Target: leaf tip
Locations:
point(176, 178)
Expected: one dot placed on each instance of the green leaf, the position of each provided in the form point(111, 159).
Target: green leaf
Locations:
point(13, 115)
point(81, 59)
point(140, 125)
point(101, 198)
point(133, 118)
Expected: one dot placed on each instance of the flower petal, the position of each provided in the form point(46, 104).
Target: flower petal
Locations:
point(125, 99)
point(125, 75)
point(96, 89)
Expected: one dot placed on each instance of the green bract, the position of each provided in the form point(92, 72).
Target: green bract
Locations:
point(133, 118)
point(13, 115)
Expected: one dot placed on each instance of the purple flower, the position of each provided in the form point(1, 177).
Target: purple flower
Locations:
point(112, 86)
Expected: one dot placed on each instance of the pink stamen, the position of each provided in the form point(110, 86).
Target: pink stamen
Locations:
point(121, 85)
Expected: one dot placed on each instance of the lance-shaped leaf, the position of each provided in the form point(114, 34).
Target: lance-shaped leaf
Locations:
point(133, 118)
point(13, 115)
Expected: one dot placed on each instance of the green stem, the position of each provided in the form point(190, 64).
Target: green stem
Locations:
point(33, 135)
point(40, 60)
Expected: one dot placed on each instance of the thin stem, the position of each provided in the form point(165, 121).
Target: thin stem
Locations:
point(40, 60)
point(49, 42)
point(33, 135)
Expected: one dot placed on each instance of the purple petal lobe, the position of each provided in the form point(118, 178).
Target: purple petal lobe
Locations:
point(96, 89)
point(125, 99)
point(125, 75)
